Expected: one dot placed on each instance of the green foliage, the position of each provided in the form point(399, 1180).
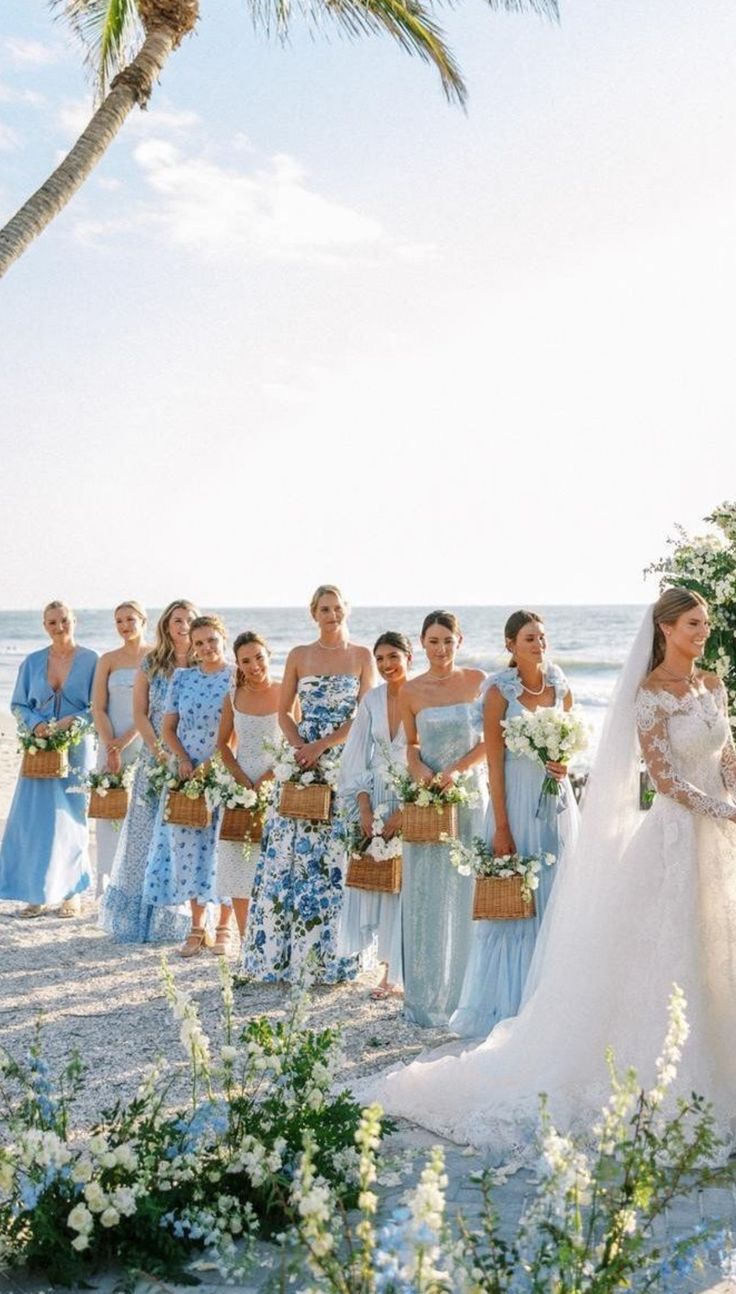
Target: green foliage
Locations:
point(164, 1189)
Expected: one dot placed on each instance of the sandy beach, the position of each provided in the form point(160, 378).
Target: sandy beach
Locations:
point(105, 999)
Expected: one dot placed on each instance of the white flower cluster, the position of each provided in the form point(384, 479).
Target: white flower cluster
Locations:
point(546, 734)
point(286, 768)
point(378, 847)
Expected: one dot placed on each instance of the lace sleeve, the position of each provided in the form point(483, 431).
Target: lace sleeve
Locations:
point(728, 754)
point(652, 726)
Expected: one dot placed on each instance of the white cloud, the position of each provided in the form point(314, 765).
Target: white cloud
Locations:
point(74, 114)
point(269, 213)
point(8, 138)
point(24, 52)
point(8, 94)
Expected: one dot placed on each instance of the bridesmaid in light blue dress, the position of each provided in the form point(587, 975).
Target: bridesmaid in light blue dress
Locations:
point(182, 862)
point(518, 821)
point(123, 913)
point(441, 714)
point(44, 857)
point(376, 746)
point(118, 743)
point(298, 887)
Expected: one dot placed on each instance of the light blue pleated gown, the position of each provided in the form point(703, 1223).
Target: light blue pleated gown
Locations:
point(120, 713)
point(501, 951)
point(437, 901)
point(371, 922)
point(123, 912)
point(44, 856)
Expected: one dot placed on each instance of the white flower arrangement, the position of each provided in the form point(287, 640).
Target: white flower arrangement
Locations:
point(56, 738)
point(102, 782)
point(479, 859)
point(286, 769)
point(548, 735)
point(430, 794)
point(376, 845)
point(229, 793)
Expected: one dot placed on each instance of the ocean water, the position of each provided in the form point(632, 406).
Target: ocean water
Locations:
point(590, 643)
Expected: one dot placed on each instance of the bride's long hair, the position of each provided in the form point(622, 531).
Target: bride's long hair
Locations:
point(667, 609)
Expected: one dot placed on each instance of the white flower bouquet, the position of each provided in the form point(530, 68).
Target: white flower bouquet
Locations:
point(479, 860)
point(375, 862)
point(244, 807)
point(108, 792)
point(189, 800)
point(48, 756)
point(547, 734)
point(429, 814)
point(305, 793)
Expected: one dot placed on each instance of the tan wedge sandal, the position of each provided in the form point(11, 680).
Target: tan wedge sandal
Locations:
point(196, 940)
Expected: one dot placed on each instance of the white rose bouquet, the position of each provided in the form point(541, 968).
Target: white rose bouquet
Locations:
point(547, 734)
point(231, 794)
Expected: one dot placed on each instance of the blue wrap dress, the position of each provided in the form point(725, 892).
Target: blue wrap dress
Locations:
point(44, 857)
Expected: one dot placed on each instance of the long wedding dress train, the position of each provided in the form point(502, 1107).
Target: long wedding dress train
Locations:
point(646, 900)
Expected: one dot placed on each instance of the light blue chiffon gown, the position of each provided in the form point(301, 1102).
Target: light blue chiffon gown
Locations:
point(182, 861)
point(371, 922)
point(437, 901)
point(501, 951)
point(120, 714)
point(44, 856)
point(123, 912)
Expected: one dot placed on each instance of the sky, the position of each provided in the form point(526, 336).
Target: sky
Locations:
point(308, 322)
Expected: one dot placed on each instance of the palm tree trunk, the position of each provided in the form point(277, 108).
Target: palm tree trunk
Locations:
point(131, 87)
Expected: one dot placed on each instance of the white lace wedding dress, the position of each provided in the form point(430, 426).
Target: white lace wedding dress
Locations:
point(646, 900)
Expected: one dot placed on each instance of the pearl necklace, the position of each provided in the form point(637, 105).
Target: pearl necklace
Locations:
point(530, 690)
point(441, 678)
point(337, 647)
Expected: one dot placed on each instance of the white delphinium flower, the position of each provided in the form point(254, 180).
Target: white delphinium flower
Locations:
point(123, 1199)
point(675, 1038)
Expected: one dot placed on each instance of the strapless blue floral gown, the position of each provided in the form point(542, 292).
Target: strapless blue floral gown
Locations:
point(298, 887)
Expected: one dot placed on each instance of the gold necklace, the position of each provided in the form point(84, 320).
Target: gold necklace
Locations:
point(678, 678)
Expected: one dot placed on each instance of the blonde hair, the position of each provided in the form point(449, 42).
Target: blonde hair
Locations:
point(134, 606)
point(162, 658)
point(320, 592)
point(209, 621)
point(57, 606)
point(667, 609)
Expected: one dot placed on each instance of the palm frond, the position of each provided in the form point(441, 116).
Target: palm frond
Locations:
point(408, 22)
point(545, 8)
point(109, 30)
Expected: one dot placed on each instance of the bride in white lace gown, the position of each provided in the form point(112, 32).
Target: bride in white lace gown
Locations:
point(646, 900)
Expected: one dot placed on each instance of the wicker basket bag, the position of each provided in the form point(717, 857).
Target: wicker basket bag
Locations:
point(182, 811)
point(499, 898)
point(242, 824)
point(426, 824)
point(45, 763)
point(382, 875)
point(312, 802)
point(113, 805)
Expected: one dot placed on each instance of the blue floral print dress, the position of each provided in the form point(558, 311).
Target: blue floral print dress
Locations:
point(182, 860)
point(298, 887)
